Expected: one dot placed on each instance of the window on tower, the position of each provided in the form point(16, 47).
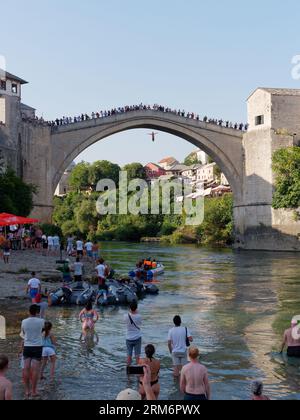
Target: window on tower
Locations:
point(14, 88)
point(3, 84)
point(260, 120)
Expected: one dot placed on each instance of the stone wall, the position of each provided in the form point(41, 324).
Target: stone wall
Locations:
point(257, 224)
point(259, 104)
point(37, 169)
point(285, 113)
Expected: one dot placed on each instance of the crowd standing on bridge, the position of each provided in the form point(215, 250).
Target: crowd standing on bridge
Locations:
point(133, 108)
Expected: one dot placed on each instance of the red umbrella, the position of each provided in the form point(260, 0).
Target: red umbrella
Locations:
point(10, 220)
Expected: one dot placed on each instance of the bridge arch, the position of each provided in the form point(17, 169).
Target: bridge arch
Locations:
point(223, 145)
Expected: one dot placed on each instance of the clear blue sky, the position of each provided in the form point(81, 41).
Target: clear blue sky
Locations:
point(204, 56)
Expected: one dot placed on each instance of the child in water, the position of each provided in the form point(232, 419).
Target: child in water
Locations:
point(49, 351)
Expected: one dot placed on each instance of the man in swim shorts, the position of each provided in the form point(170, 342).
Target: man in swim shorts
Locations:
point(34, 287)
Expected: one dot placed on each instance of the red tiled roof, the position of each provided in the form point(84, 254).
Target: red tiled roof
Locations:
point(168, 159)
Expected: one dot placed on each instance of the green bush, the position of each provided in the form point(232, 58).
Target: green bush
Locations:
point(16, 196)
point(167, 229)
point(286, 165)
point(51, 230)
point(217, 227)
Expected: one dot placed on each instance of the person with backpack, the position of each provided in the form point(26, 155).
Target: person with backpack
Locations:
point(133, 321)
point(179, 339)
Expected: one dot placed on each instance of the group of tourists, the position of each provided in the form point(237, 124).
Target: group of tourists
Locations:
point(20, 238)
point(79, 248)
point(142, 107)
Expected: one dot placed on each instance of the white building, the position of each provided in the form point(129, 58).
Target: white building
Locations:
point(191, 172)
point(202, 157)
point(206, 173)
point(63, 187)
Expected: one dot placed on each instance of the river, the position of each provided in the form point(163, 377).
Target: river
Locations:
point(237, 306)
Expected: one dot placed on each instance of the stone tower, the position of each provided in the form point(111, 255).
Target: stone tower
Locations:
point(274, 123)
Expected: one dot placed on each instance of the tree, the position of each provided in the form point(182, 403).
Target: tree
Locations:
point(217, 227)
point(64, 207)
point(135, 170)
point(86, 216)
point(103, 169)
point(79, 178)
point(192, 159)
point(16, 195)
point(286, 165)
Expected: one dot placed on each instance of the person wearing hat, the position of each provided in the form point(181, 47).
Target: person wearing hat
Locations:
point(291, 339)
point(131, 395)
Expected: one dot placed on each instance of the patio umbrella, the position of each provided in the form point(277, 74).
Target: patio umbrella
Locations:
point(11, 220)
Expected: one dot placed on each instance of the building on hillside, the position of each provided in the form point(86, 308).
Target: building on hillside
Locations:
point(64, 187)
point(176, 170)
point(206, 173)
point(168, 162)
point(191, 172)
point(154, 171)
point(202, 157)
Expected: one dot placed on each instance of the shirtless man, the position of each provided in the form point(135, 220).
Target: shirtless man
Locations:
point(194, 382)
point(291, 339)
point(5, 385)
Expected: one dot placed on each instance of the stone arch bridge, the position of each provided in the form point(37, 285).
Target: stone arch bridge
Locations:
point(42, 154)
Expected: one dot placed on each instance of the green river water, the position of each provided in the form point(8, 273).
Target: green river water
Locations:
point(237, 306)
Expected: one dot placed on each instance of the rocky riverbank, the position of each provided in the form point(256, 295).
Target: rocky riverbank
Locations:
point(14, 278)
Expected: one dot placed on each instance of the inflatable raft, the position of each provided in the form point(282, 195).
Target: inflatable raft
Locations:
point(73, 294)
point(148, 274)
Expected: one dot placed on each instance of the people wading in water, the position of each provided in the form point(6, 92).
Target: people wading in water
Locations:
point(88, 317)
point(154, 368)
point(291, 339)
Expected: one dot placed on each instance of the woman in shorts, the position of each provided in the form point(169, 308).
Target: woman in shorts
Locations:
point(49, 352)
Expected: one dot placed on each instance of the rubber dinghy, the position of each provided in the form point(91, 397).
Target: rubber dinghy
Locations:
point(156, 271)
point(151, 289)
point(61, 296)
point(148, 274)
point(73, 294)
point(118, 294)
